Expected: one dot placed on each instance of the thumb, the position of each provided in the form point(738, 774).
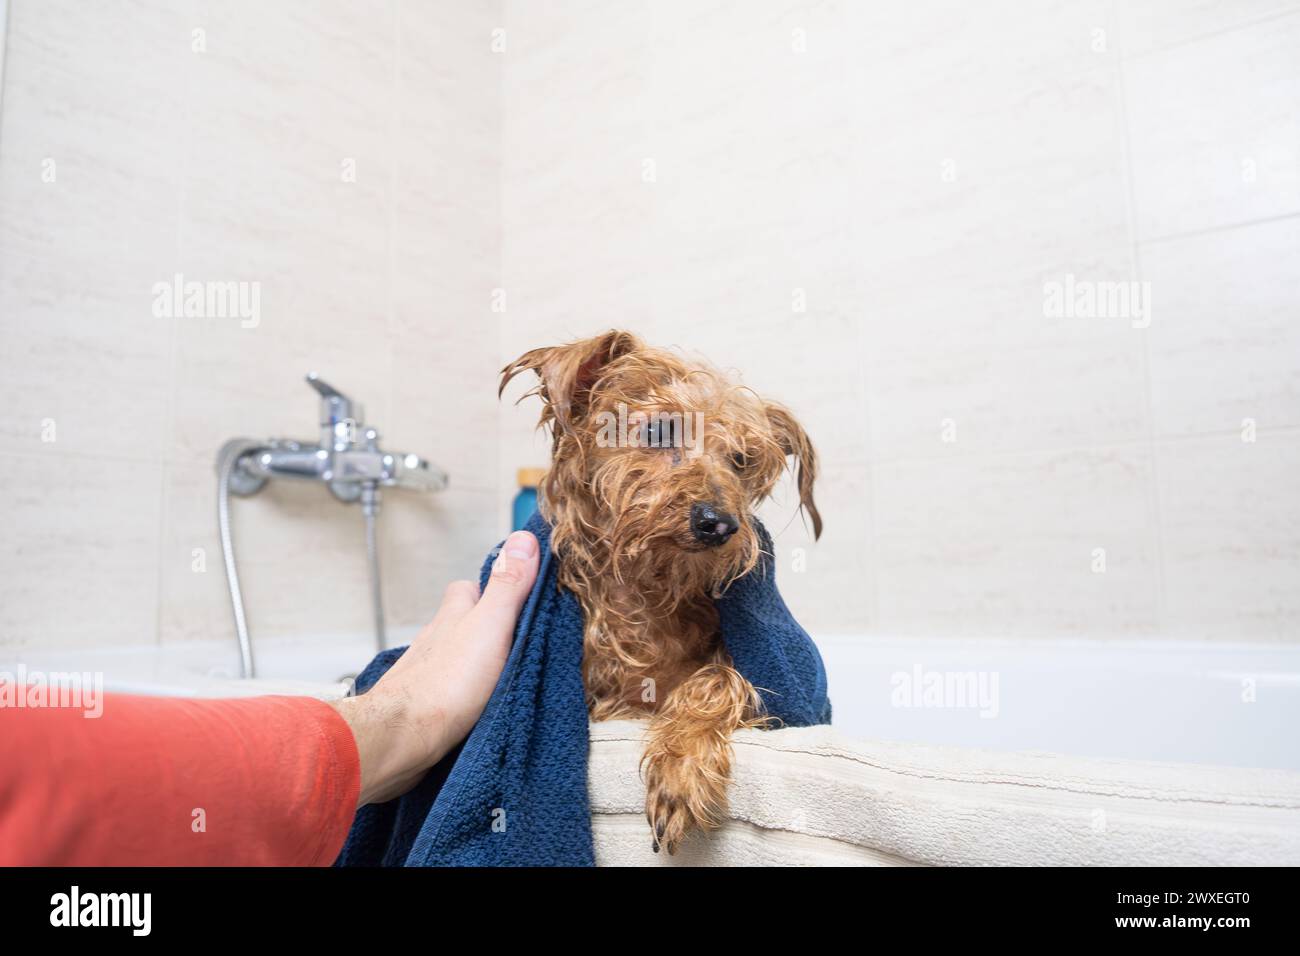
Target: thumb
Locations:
point(512, 577)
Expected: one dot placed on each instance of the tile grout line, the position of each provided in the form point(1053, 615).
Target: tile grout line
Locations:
point(498, 445)
point(1066, 448)
point(1214, 230)
point(394, 176)
point(390, 265)
point(162, 551)
point(1210, 34)
point(5, 16)
point(850, 79)
point(1157, 441)
point(1155, 523)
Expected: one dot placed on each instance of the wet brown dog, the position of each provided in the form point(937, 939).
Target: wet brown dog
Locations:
point(656, 466)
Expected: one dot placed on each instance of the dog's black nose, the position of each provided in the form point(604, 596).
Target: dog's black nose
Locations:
point(710, 525)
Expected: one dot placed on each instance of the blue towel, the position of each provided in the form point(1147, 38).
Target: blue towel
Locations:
point(515, 793)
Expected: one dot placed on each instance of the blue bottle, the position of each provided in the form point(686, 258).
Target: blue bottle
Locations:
point(526, 501)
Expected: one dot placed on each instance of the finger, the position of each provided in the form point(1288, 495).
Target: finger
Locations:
point(512, 577)
point(457, 601)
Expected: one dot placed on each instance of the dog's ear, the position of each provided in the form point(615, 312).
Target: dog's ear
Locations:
point(567, 373)
point(794, 441)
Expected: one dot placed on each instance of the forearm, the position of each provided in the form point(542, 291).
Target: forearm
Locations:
point(396, 747)
point(264, 780)
point(164, 781)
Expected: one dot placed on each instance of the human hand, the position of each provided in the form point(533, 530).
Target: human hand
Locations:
point(430, 698)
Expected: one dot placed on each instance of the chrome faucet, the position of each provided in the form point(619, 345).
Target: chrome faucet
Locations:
point(346, 457)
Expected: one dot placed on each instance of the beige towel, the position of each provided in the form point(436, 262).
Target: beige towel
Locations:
point(809, 796)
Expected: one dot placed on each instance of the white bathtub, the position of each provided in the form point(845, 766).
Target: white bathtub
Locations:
point(1140, 700)
point(1174, 702)
point(318, 666)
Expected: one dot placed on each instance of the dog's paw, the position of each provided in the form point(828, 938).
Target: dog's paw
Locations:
point(683, 794)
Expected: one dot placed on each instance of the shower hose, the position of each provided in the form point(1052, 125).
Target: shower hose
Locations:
point(370, 498)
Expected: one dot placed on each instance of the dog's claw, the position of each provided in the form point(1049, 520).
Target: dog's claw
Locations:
point(670, 807)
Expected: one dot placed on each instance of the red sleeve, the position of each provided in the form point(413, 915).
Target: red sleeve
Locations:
point(168, 781)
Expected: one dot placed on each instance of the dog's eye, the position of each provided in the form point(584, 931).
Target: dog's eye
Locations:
point(662, 433)
point(658, 433)
point(738, 460)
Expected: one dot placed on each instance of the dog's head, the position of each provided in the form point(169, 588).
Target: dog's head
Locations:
point(657, 462)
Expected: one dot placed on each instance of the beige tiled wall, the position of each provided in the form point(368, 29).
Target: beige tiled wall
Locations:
point(919, 171)
point(914, 173)
point(227, 164)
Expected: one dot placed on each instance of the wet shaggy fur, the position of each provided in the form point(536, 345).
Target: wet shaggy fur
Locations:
point(621, 525)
